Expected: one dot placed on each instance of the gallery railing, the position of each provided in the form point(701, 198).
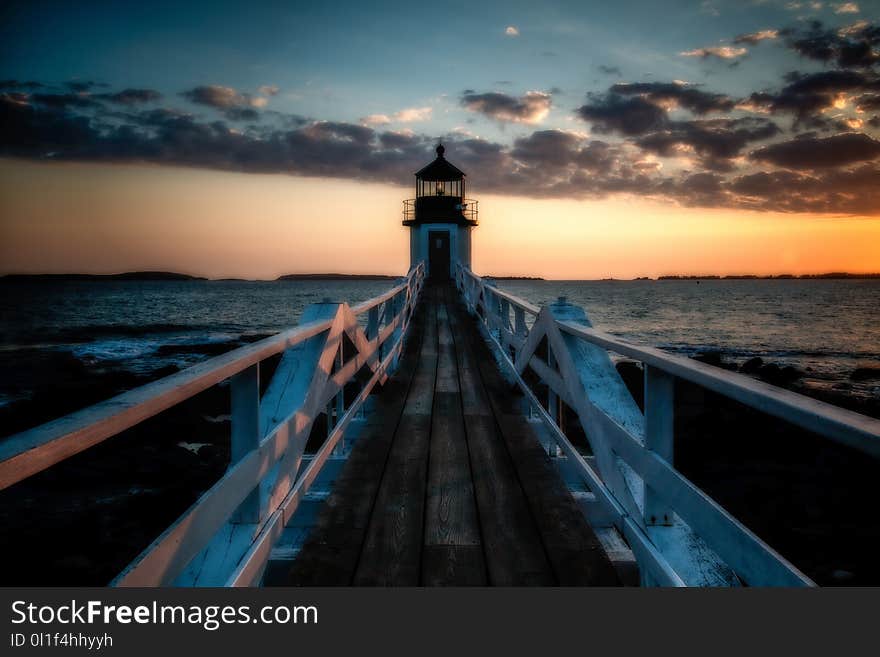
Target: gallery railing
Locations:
point(678, 534)
point(234, 524)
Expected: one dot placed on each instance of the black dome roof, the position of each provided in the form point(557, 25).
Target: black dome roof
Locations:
point(440, 169)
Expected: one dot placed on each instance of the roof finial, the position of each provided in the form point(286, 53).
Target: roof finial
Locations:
point(440, 149)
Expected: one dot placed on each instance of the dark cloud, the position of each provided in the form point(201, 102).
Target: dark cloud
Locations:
point(697, 160)
point(820, 152)
point(849, 191)
point(548, 148)
point(868, 102)
point(62, 101)
point(28, 85)
point(715, 141)
point(639, 108)
point(529, 108)
point(627, 116)
point(132, 96)
point(222, 98)
point(852, 47)
point(676, 94)
point(807, 95)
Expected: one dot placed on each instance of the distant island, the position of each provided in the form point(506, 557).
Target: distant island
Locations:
point(125, 276)
point(515, 278)
point(337, 277)
point(173, 276)
point(739, 277)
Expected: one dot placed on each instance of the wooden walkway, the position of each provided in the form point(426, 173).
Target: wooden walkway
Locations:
point(448, 484)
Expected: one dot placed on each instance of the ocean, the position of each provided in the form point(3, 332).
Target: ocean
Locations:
point(827, 329)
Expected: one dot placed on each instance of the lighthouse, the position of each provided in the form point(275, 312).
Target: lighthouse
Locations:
point(440, 218)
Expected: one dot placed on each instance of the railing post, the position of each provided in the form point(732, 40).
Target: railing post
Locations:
point(373, 323)
point(519, 318)
point(246, 434)
point(340, 404)
point(659, 435)
point(553, 408)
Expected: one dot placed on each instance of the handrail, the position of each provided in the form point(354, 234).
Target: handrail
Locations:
point(839, 424)
point(28, 452)
point(833, 422)
point(636, 483)
point(268, 434)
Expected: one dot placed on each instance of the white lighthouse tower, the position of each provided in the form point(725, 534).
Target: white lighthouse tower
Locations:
point(440, 219)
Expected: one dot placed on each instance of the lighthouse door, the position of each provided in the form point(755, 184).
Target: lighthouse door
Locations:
point(438, 255)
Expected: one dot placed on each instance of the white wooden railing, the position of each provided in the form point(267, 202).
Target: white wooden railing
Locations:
point(678, 534)
point(234, 524)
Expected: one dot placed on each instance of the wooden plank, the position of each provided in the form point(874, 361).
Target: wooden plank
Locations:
point(515, 552)
point(514, 549)
point(450, 508)
point(392, 550)
point(330, 554)
point(451, 565)
point(572, 548)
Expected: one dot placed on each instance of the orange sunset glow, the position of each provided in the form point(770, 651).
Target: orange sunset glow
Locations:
point(109, 218)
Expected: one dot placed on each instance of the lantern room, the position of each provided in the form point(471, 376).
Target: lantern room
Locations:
point(440, 218)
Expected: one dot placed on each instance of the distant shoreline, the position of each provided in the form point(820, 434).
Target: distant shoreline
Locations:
point(174, 276)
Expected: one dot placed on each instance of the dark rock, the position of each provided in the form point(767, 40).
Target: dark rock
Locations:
point(752, 365)
point(779, 376)
point(865, 374)
point(716, 359)
point(710, 358)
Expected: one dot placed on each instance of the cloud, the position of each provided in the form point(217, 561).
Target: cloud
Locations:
point(752, 38)
point(716, 142)
point(822, 152)
point(408, 115)
point(807, 95)
point(268, 90)
point(220, 97)
point(855, 46)
point(671, 95)
point(530, 108)
point(511, 31)
point(63, 100)
point(609, 70)
point(627, 116)
point(413, 114)
point(28, 85)
point(680, 142)
point(549, 148)
point(720, 52)
point(376, 119)
point(132, 96)
point(846, 8)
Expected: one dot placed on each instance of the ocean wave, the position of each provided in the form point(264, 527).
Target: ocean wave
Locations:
point(152, 353)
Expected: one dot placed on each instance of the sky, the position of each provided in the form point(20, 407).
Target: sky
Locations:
point(602, 139)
